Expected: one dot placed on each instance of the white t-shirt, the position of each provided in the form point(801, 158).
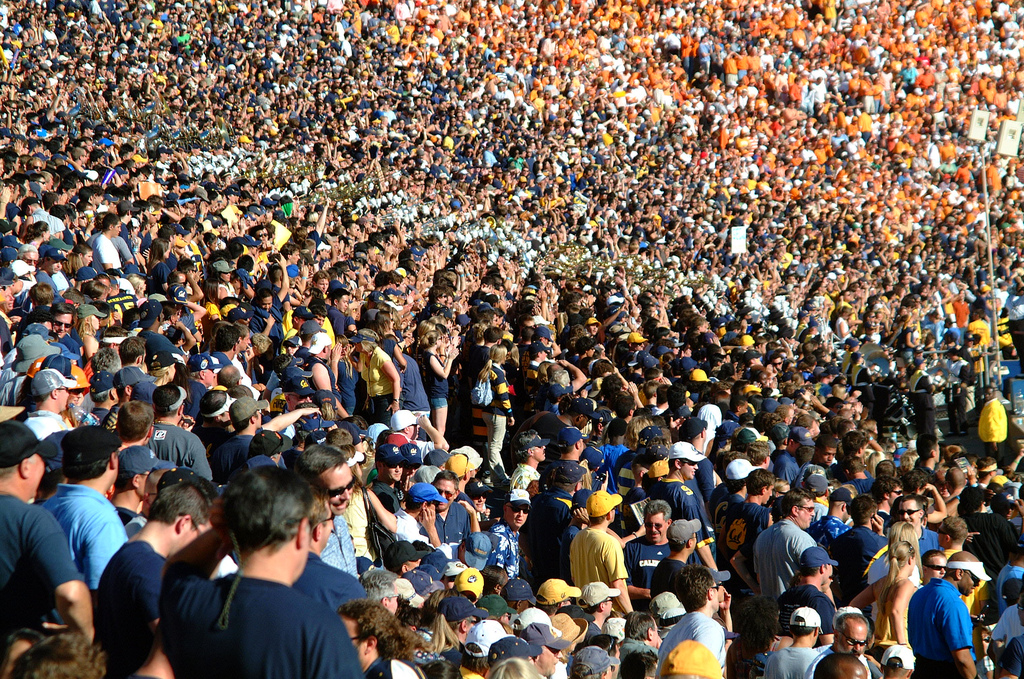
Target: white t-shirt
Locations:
point(1008, 626)
point(104, 252)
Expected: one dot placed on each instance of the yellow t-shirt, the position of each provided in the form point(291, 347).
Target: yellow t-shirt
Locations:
point(355, 517)
point(595, 556)
point(377, 382)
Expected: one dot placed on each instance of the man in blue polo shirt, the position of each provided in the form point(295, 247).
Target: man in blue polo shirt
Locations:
point(939, 624)
point(94, 530)
point(683, 459)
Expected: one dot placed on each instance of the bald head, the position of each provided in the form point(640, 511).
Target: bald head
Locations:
point(840, 666)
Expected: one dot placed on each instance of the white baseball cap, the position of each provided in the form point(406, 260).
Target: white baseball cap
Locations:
point(805, 617)
point(898, 657)
point(482, 635)
point(739, 468)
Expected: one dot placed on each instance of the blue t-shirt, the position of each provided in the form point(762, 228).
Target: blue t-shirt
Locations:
point(785, 467)
point(328, 584)
point(810, 596)
point(854, 551)
point(564, 562)
point(1013, 656)
point(685, 504)
point(743, 522)
point(128, 601)
point(435, 385)
point(827, 529)
point(229, 456)
point(272, 631)
point(641, 559)
point(1006, 574)
point(549, 517)
point(34, 561)
point(414, 396)
point(611, 458)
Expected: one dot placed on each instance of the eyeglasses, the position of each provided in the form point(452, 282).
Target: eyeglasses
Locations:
point(58, 324)
point(77, 392)
point(855, 642)
point(341, 490)
point(807, 508)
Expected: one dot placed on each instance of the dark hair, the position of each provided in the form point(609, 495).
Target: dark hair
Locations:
point(439, 669)
point(134, 420)
point(64, 655)
point(862, 509)
point(131, 350)
point(317, 459)
point(394, 640)
point(188, 498)
point(792, 499)
point(263, 507)
point(758, 480)
point(836, 666)
point(882, 486)
point(757, 622)
point(84, 471)
point(693, 582)
point(227, 337)
point(639, 665)
point(495, 578)
point(638, 624)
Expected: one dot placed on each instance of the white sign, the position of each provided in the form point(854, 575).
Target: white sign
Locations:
point(738, 240)
point(1008, 142)
point(979, 126)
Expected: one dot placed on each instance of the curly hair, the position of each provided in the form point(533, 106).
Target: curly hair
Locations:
point(394, 641)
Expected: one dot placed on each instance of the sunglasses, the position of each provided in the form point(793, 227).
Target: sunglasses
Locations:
point(520, 510)
point(855, 642)
point(58, 324)
point(341, 490)
point(907, 512)
point(935, 567)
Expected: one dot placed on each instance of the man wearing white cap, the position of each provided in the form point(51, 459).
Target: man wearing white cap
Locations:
point(792, 662)
point(897, 662)
point(477, 646)
point(939, 624)
point(50, 392)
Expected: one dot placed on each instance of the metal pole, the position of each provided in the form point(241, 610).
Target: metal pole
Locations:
point(996, 378)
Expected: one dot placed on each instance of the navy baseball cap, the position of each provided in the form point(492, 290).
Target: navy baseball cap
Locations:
point(390, 455)
point(815, 557)
point(203, 361)
point(569, 436)
point(512, 647)
point(101, 381)
point(567, 471)
point(457, 608)
point(139, 460)
point(518, 590)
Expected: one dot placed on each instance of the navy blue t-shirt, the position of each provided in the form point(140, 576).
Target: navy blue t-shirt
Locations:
point(229, 456)
point(743, 522)
point(327, 584)
point(272, 631)
point(664, 574)
point(1013, 656)
point(641, 559)
point(34, 560)
point(129, 599)
point(810, 596)
point(854, 551)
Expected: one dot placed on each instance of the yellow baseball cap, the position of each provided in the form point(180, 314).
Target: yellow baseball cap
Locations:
point(459, 464)
point(555, 591)
point(602, 502)
point(698, 375)
point(691, 658)
point(470, 580)
point(658, 469)
point(635, 338)
point(746, 341)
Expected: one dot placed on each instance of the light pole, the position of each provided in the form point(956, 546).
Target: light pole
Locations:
point(1007, 144)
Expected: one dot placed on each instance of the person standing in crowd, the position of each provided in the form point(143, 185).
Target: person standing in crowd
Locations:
point(596, 555)
point(643, 555)
point(37, 574)
point(702, 595)
point(253, 621)
point(778, 549)
point(792, 662)
point(938, 623)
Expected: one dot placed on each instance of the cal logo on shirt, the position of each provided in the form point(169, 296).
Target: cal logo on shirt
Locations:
point(159, 435)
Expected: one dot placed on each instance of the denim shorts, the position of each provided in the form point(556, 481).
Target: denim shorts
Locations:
point(436, 403)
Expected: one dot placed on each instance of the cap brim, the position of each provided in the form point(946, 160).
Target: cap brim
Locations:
point(9, 412)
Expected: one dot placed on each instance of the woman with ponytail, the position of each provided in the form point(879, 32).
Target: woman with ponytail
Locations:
point(892, 592)
point(498, 413)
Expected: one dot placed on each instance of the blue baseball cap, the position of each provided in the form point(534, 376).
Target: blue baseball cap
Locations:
point(101, 381)
point(203, 361)
point(177, 294)
point(457, 608)
point(512, 647)
point(815, 557)
point(424, 492)
point(135, 460)
point(411, 453)
point(389, 454)
point(518, 590)
point(569, 436)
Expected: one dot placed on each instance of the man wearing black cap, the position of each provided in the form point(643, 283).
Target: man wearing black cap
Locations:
point(169, 441)
point(94, 530)
point(37, 573)
point(555, 506)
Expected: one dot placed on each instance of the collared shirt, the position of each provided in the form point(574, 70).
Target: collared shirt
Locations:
point(825, 530)
point(777, 553)
point(938, 622)
point(506, 554)
point(339, 551)
point(94, 529)
point(523, 476)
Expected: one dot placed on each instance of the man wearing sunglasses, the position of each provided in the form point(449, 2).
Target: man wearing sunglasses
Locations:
point(506, 553)
point(851, 638)
point(939, 624)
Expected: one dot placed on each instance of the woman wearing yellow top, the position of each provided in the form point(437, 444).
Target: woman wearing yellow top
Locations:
point(383, 383)
point(892, 592)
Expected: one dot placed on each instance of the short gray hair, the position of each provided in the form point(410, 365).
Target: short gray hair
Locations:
point(379, 583)
point(658, 507)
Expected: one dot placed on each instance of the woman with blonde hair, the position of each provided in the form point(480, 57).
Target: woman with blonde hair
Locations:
point(514, 668)
point(439, 352)
point(892, 592)
point(88, 326)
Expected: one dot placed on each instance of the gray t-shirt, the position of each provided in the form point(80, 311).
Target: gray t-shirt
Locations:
point(790, 663)
point(777, 553)
point(180, 447)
